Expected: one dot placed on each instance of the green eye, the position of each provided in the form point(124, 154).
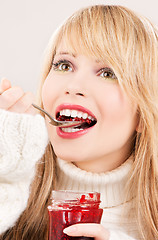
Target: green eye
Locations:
point(107, 73)
point(63, 66)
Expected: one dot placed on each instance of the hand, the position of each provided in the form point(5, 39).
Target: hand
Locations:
point(14, 99)
point(94, 230)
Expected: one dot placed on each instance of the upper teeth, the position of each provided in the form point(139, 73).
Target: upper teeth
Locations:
point(75, 113)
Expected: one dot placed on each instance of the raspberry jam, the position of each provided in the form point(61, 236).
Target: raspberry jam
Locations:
point(63, 118)
point(69, 208)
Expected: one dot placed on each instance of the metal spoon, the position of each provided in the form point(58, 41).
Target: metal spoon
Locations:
point(56, 122)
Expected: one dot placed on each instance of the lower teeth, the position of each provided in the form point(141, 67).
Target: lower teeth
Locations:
point(71, 129)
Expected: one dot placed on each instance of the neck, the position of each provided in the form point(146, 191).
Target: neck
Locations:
point(102, 165)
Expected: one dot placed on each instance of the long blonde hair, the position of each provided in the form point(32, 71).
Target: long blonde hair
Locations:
point(129, 43)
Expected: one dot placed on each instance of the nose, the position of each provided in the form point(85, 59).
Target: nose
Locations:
point(76, 87)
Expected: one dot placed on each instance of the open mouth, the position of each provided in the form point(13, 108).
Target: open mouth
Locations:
point(87, 120)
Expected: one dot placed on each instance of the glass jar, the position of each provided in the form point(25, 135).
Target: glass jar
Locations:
point(68, 207)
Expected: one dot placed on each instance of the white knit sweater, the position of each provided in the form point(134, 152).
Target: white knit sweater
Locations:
point(23, 139)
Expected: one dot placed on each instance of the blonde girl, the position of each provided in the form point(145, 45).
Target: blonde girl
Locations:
point(103, 61)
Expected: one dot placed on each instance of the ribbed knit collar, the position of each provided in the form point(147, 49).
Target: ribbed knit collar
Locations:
point(111, 184)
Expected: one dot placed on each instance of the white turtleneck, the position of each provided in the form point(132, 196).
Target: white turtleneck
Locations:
point(111, 185)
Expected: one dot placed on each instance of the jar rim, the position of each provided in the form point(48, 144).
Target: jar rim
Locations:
point(75, 195)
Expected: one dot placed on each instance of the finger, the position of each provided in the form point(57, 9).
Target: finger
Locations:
point(23, 105)
point(94, 230)
point(10, 97)
point(4, 85)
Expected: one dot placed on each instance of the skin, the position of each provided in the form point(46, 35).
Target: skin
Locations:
point(109, 141)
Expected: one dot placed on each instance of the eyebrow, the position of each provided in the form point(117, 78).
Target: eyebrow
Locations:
point(66, 53)
point(74, 55)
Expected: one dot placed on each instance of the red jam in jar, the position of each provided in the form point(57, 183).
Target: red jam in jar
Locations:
point(69, 208)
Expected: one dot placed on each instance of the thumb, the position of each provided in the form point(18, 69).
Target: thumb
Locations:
point(4, 85)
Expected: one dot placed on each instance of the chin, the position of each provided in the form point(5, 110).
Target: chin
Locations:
point(67, 156)
point(67, 152)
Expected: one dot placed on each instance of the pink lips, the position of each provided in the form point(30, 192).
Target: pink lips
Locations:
point(72, 135)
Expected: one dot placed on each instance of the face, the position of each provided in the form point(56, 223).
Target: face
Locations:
point(83, 87)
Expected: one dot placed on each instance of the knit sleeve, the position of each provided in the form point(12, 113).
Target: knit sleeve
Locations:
point(120, 236)
point(23, 139)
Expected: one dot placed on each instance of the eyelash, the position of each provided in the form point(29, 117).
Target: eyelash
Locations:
point(107, 70)
point(59, 63)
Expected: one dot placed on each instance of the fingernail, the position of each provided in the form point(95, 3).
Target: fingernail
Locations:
point(70, 229)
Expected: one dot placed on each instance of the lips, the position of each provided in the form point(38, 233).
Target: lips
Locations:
point(69, 112)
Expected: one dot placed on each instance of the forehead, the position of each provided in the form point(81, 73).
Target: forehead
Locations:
point(64, 47)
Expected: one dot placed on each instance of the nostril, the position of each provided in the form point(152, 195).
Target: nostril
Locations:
point(80, 94)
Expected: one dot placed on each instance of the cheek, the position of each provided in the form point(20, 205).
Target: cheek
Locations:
point(52, 89)
point(48, 93)
point(117, 109)
point(113, 103)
